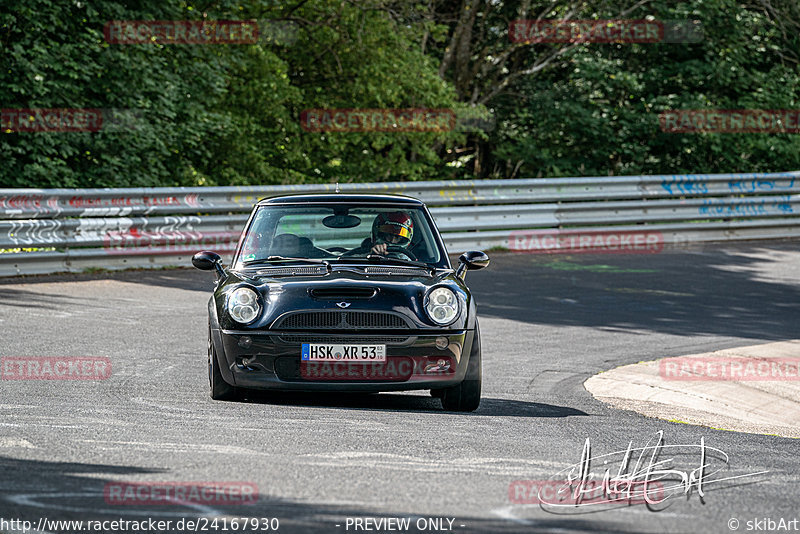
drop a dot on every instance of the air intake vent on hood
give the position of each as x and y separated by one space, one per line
293 270
343 293
402 271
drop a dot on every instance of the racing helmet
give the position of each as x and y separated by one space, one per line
393 228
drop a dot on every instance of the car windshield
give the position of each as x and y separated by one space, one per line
340 232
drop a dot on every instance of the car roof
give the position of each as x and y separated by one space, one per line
340 198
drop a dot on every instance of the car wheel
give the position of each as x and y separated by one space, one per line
466 397
218 388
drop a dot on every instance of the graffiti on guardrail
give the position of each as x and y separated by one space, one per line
586 241
758 185
93 202
18 204
739 207
121 235
30 233
52 230
103 206
33 205
685 185
700 184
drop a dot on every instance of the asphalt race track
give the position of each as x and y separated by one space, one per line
548 323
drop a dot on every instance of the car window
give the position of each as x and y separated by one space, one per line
331 232
311 226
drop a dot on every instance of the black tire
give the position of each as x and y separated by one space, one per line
466 397
218 388
437 393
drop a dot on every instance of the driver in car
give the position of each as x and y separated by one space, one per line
389 230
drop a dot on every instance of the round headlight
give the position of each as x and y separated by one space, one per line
243 305
442 305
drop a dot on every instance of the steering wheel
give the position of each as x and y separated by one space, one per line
337 249
401 250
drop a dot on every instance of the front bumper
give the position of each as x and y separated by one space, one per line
271 360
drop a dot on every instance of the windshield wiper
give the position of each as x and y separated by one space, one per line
398 261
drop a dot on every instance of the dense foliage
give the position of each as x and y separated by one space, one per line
226 114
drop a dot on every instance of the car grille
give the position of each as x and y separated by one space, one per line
346 340
289 369
341 320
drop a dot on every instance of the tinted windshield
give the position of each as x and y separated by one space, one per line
341 232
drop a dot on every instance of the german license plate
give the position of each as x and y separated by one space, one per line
313 352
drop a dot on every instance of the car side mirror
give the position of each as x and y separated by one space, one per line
471 260
208 261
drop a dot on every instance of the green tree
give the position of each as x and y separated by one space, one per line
216 114
54 56
592 109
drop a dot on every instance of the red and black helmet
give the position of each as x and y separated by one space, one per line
393 228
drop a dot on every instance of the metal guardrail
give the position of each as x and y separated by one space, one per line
76 229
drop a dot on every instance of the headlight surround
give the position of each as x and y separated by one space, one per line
243 305
442 305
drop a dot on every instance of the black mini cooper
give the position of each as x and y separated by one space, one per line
338 292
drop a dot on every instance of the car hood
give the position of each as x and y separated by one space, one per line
344 289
